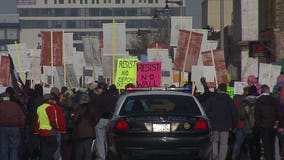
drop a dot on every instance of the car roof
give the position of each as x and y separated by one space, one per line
140 93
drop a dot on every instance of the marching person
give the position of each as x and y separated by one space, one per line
223 115
12 120
85 118
266 117
50 122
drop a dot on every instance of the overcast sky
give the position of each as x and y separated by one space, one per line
8 6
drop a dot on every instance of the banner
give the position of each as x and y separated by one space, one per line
114 40
177 23
68 48
149 74
188 50
57 43
4 70
126 72
208 72
92 52
268 74
161 55
20 54
216 58
239 87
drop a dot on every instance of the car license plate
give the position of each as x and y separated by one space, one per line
161 127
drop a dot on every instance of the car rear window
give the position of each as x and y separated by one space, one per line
160 103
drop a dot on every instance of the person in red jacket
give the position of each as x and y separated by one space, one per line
12 120
50 122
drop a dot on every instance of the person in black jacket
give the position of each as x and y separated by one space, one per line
266 119
223 116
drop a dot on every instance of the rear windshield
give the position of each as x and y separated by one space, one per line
160 103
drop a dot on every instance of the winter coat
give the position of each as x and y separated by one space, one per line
221 112
246 113
85 120
266 111
11 114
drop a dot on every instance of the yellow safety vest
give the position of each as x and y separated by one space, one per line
43 120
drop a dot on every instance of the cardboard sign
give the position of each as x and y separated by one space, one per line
149 74
126 72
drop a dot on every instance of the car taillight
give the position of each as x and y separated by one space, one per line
201 125
121 125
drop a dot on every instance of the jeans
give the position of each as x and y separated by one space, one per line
57 154
10 141
220 144
239 140
101 139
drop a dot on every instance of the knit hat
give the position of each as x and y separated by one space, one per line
55 91
47 97
84 99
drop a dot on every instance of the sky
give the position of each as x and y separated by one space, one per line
8 7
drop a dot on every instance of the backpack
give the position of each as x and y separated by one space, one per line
246 114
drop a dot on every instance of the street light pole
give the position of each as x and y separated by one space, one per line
222 23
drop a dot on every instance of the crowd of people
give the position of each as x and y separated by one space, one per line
61 125
71 125
248 126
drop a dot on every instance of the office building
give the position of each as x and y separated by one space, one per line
86 17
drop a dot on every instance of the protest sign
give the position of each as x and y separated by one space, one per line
268 74
239 87
126 72
149 74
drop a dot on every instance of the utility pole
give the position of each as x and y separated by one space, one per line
222 23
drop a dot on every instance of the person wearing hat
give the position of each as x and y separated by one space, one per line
50 122
85 118
12 120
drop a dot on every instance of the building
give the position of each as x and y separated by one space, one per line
211 13
245 26
9 30
86 17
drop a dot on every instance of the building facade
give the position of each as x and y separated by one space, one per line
211 12
9 30
86 17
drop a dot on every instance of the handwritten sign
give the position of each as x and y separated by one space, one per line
149 74
126 72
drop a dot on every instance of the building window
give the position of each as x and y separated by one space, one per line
109 1
61 1
81 1
123 1
157 1
55 1
86 1
69 1
93 1
98 1
150 1
117 1
74 1
133 1
45 1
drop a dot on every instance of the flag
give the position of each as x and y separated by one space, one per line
15 78
57 48
4 71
